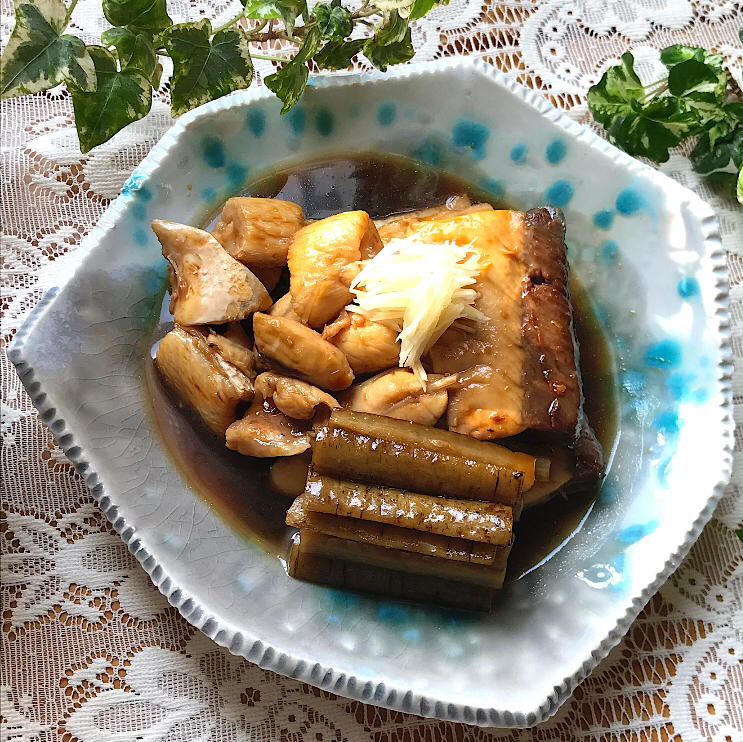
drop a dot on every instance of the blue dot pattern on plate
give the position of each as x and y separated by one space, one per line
429 152
140 237
472 135
667 422
324 122
688 287
603 219
518 154
632 534
665 354
386 113
556 151
559 193
209 195
236 174
139 211
630 201
297 119
256 122
495 187
610 251
212 150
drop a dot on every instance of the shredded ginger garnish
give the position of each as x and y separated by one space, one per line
419 289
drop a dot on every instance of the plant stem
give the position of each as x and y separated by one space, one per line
229 23
269 58
69 12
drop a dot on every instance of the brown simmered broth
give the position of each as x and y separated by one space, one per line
237 485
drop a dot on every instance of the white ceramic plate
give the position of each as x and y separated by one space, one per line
648 253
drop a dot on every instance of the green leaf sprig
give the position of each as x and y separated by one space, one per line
111 84
698 98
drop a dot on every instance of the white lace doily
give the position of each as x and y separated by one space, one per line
92 652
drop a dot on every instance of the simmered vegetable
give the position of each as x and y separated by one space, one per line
305 564
396 537
488 522
288 475
372 448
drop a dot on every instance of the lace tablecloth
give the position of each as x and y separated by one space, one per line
90 649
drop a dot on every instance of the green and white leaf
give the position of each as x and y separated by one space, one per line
262 9
148 16
287 10
614 94
338 55
421 7
120 98
290 81
205 69
739 195
334 21
396 52
38 56
135 52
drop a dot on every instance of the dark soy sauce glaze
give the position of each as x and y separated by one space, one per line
236 486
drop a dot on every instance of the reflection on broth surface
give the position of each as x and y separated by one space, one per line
237 486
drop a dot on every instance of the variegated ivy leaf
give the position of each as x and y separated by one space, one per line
287 10
38 56
121 96
135 52
205 69
149 16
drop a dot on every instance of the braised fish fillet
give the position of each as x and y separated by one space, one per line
519 370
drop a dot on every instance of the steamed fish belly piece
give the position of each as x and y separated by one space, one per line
266 431
257 231
301 352
399 224
206 381
395 537
485 522
490 404
369 346
321 258
208 286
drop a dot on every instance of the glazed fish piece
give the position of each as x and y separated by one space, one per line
206 381
208 286
321 264
523 361
372 448
399 393
257 231
283 308
486 522
369 346
396 537
293 397
299 351
266 431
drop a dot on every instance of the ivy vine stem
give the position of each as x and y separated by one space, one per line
229 23
68 15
